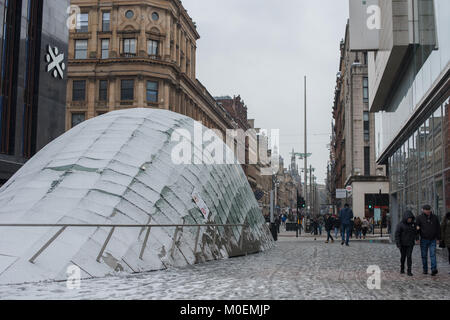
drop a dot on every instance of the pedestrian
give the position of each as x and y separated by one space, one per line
365 227
445 234
329 225
357 228
277 223
345 215
315 227
337 225
405 237
320 224
429 229
283 220
352 225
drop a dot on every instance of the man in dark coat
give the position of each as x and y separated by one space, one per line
345 215
429 229
405 238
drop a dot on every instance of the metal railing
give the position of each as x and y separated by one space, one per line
114 226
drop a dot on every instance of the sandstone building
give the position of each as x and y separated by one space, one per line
353 140
128 54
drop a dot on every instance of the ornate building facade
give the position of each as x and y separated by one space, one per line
128 54
353 161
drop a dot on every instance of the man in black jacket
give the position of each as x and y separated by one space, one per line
429 229
405 237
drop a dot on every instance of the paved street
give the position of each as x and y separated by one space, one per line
295 269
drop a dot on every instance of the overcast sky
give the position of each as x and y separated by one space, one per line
262 50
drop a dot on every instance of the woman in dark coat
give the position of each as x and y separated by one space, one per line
445 234
405 237
329 225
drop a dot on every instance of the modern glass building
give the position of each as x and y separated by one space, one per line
409 86
33 54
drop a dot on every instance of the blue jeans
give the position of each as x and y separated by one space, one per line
424 246
336 231
345 232
320 230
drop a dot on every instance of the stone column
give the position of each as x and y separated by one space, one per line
167 53
93 27
112 93
114 43
90 97
141 92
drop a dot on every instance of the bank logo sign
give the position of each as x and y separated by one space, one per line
55 60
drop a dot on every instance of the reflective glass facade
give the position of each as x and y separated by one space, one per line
33 38
413 134
420 168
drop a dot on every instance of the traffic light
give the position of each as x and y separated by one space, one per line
301 202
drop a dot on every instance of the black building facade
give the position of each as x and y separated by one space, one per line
33 59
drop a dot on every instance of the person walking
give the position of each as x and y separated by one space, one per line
345 215
283 220
320 224
357 228
429 229
277 223
337 225
365 227
329 224
405 236
315 227
352 225
445 234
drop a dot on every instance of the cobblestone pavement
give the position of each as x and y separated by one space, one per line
295 269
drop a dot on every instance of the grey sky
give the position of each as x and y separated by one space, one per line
261 50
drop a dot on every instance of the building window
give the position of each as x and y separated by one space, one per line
81 49
83 22
79 90
152 47
366 89
367 161
366 126
77 118
152 91
105 48
127 90
365 58
103 90
155 16
129 46
106 21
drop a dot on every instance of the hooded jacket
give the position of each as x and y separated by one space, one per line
329 223
406 233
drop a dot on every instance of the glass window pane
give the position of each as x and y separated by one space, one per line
105 48
81 49
79 90
437 141
77 118
429 147
83 22
106 21
152 91
127 90
103 90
